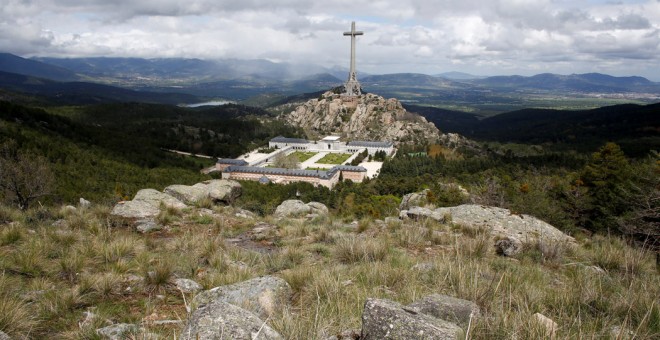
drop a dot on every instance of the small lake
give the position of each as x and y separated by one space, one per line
209 103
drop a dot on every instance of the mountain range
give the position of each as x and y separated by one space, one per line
186 80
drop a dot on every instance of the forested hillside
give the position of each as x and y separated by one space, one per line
108 152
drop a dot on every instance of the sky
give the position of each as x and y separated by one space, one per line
482 37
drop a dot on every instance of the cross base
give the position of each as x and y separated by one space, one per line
352 88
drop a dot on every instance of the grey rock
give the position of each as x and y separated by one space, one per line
417 212
373 118
508 246
135 210
83 203
222 190
385 319
155 198
263 296
317 208
188 194
118 331
500 222
4 336
147 225
242 213
447 308
415 199
187 285
222 320
296 208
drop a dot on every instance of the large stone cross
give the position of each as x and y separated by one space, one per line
352 85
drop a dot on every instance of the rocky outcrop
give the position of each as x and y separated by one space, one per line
385 319
222 320
225 191
187 285
189 194
145 205
500 222
447 308
508 246
135 210
415 199
156 198
367 117
218 190
262 296
295 208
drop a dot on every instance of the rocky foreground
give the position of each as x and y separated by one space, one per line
242 310
188 263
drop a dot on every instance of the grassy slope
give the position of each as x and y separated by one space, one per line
52 275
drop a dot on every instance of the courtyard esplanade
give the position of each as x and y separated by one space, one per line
332 143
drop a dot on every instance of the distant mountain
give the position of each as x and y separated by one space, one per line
405 79
589 82
458 76
85 93
185 69
15 64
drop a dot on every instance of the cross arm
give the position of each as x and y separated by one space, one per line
354 33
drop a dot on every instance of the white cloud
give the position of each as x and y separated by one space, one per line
494 36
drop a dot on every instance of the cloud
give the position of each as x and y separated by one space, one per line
402 35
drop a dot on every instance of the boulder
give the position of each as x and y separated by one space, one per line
500 222
385 319
155 198
263 295
83 203
145 205
135 210
447 308
222 190
147 225
188 285
417 212
549 325
317 208
508 246
295 208
188 194
118 331
222 320
415 199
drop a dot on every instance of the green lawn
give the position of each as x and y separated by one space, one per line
334 158
303 156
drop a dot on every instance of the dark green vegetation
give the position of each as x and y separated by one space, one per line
634 127
107 152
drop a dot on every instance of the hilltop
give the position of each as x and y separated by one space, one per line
365 117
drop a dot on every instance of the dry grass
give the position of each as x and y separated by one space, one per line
52 275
